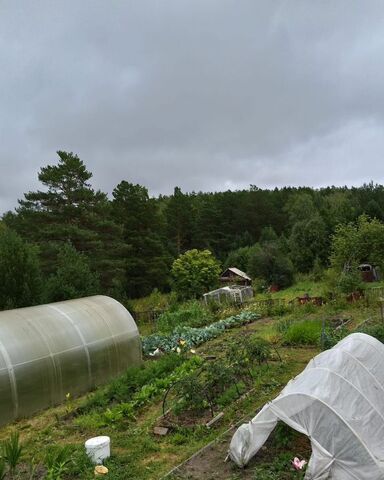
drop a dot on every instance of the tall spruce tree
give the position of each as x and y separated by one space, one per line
146 261
179 214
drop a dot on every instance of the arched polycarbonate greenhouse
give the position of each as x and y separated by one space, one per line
49 351
338 402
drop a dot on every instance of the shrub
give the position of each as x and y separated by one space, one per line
258 349
193 396
194 273
307 332
350 281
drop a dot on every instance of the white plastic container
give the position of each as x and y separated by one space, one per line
98 449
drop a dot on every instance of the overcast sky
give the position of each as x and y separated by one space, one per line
203 94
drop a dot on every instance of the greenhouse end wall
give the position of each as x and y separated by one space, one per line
50 351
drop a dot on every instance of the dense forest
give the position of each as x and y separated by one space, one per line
69 240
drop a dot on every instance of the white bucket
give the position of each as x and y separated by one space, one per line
98 449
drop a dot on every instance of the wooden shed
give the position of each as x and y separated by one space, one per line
233 275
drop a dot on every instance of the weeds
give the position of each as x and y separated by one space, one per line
191 314
2 469
307 332
57 462
283 435
12 450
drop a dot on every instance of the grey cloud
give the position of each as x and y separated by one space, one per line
203 94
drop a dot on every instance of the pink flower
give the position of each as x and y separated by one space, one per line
298 464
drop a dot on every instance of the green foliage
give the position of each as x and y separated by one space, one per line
239 258
192 394
137 381
300 207
359 242
268 235
179 216
73 277
70 210
350 281
194 336
2 469
20 281
307 332
339 208
155 301
146 261
317 273
376 331
194 273
280 468
283 435
12 451
330 336
258 348
308 242
57 462
192 314
270 264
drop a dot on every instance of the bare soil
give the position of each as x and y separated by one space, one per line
210 464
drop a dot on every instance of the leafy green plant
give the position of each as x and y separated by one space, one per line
376 331
218 377
57 461
12 450
192 395
258 349
195 336
123 388
307 332
330 336
283 435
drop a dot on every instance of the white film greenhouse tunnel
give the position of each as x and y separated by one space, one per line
338 402
49 351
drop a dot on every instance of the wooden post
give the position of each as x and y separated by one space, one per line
382 309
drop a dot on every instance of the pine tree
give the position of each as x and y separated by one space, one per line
69 210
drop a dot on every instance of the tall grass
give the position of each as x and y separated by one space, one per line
191 314
306 332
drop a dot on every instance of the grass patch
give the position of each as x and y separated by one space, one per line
307 332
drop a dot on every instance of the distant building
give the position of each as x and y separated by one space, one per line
369 272
234 275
